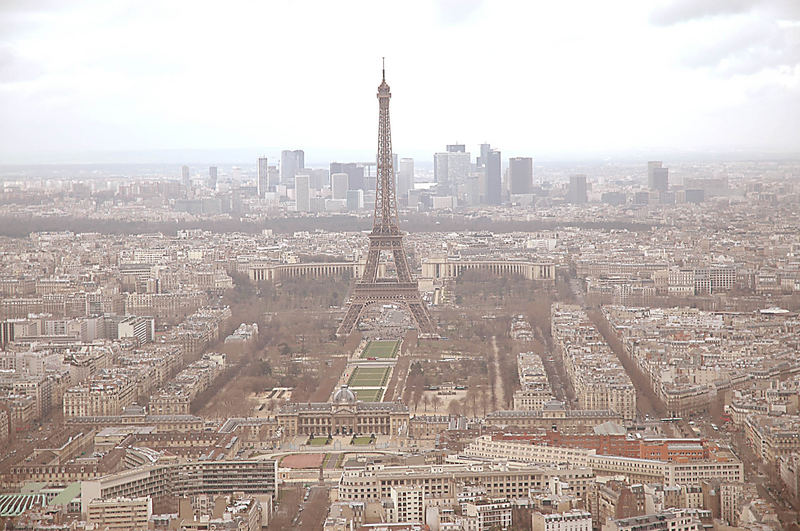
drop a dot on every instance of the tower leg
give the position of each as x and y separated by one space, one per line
350 320
422 316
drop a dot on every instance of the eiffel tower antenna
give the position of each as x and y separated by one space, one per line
386 236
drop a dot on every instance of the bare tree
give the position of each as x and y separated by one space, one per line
454 408
436 401
484 400
417 397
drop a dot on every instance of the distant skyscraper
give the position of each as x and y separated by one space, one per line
354 171
657 176
484 154
302 192
263 177
355 199
274 178
520 175
212 177
451 168
185 177
493 178
577 189
291 163
405 178
440 168
339 185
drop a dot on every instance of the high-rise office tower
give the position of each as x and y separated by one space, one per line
451 168
490 182
520 175
300 158
355 199
354 171
657 176
577 189
274 177
405 178
493 178
302 192
263 177
291 163
185 177
440 168
212 177
481 162
370 170
339 185
471 191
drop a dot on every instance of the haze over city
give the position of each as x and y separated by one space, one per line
573 79
411 266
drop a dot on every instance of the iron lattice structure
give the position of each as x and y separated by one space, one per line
386 236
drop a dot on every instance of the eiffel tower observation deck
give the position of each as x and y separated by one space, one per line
386 236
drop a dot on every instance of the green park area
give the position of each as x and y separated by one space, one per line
369 394
381 349
362 440
369 377
318 441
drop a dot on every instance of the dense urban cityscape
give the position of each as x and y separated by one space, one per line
478 339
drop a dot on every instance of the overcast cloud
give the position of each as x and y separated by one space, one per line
534 78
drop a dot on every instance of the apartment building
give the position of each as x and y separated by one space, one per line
120 513
599 380
372 481
575 520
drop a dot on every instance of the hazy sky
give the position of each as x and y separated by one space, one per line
533 78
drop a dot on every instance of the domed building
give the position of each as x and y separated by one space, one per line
344 415
344 396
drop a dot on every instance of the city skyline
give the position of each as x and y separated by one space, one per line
700 77
558 291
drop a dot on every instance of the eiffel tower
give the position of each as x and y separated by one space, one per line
386 236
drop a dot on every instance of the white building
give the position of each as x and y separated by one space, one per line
339 185
575 520
408 504
487 514
263 177
302 192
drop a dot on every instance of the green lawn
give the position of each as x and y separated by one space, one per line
369 394
369 377
362 440
381 349
318 441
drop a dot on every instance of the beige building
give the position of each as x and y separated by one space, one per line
344 415
531 399
487 514
693 472
598 378
575 520
447 268
120 513
102 395
553 414
408 504
373 482
667 520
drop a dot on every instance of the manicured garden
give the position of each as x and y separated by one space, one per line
373 394
369 377
381 349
